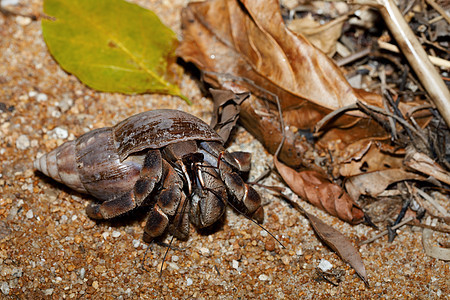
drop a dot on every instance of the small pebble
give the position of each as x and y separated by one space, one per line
4 288
325 265
286 259
48 292
173 265
263 277
189 282
270 244
22 142
95 284
32 94
105 235
29 214
58 133
82 273
23 21
41 97
65 103
175 258
204 251
17 273
235 264
115 234
136 244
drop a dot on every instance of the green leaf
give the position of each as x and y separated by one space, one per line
111 45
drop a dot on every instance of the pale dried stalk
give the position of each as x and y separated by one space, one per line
439 10
437 61
413 51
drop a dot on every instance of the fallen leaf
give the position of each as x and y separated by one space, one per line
313 187
330 236
237 49
234 37
227 106
112 45
433 251
340 244
374 183
323 36
424 164
366 156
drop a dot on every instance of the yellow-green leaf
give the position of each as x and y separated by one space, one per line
111 45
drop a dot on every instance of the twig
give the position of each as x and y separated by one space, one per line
439 10
437 61
333 114
400 120
386 93
414 53
354 56
386 232
432 201
437 227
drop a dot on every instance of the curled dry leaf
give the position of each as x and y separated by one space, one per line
319 191
237 49
367 156
434 251
424 164
323 36
374 183
227 106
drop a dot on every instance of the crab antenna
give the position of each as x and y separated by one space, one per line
259 225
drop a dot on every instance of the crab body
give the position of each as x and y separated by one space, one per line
166 159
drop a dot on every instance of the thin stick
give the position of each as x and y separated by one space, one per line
414 53
430 199
400 120
354 56
437 61
333 114
439 10
407 220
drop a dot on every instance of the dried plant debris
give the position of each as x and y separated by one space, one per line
227 106
365 140
310 185
333 238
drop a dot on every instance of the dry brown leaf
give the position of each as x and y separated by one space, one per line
221 36
319 191
227 106
323 36
431 250
374 183
333 238
366 156
340 244
424 164
237 49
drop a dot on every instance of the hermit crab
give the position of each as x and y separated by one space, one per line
168 160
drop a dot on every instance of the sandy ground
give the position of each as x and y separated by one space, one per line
49 248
